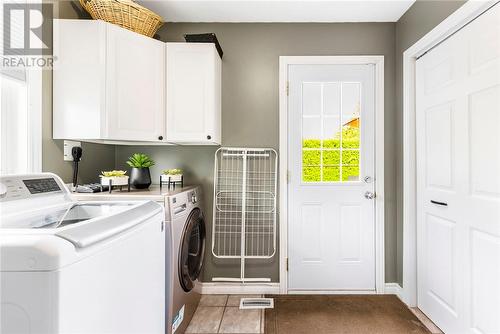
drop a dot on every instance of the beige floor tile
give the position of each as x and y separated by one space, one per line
262 320
234 300
213 300
240 321
206 319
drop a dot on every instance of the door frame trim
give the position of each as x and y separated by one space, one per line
378 61
453 23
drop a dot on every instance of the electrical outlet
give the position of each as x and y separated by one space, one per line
68 146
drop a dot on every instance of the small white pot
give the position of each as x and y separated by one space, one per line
173 178
116 180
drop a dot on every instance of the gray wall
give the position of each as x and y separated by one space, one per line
421 18
95 157
250 105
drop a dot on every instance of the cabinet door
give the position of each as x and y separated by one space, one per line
193 93
134 84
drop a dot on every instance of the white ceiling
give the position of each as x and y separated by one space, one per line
279 10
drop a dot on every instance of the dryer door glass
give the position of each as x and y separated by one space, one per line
192 250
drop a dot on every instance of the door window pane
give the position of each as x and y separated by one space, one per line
311 158
351 137
350 165
311 99
351 93
350 173
331 158
331 131
331 174
350 157
311 128
331 128
311 143
311 174
331 99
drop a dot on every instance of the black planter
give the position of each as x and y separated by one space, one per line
140 178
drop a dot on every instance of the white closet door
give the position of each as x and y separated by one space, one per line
458 179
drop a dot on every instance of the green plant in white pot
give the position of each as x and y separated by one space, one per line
140 176
175 175
114 177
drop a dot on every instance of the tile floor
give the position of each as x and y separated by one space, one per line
221 314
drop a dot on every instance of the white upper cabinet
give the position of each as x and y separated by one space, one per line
108 83
136 99
113 85
193 99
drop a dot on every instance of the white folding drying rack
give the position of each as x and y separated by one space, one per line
244 213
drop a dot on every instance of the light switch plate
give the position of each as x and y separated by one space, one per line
68 146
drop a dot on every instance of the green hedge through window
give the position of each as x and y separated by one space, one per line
324 156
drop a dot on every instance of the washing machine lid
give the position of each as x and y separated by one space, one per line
83 224
127 216
56 217
42 228
41 203
47 249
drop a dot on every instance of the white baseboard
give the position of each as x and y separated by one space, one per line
223 288
219 288
332 292
394 289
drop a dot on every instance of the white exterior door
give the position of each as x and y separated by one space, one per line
458 179
134 86
331 162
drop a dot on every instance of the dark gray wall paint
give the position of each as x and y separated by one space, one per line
250 105
197 164
95 157
421 18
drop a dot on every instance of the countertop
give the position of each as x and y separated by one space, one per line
153 194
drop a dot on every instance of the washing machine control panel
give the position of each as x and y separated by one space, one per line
23 187
182 203
39 186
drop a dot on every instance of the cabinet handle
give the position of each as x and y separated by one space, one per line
160 138
209 137
439 203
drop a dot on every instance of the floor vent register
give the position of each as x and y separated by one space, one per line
256 303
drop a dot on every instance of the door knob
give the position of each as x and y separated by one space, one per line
368 179
369 195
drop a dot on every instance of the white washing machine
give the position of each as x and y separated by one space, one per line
78 267
183 212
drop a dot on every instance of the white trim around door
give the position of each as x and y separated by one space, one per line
462 16
284 63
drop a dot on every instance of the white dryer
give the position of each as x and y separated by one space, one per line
78 267
185 217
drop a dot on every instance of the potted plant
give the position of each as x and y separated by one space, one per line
114 178
175 175
140 177
171 177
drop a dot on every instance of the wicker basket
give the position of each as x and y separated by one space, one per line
125 13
